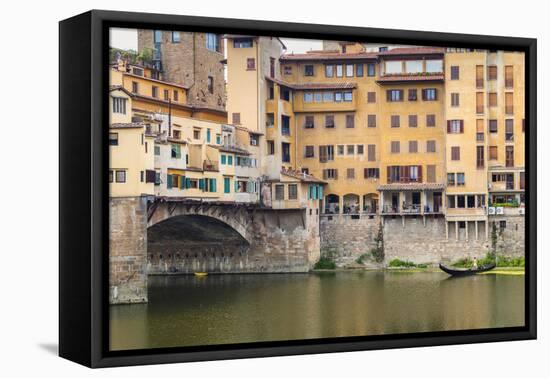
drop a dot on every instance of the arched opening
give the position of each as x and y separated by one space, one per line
194 243
332 204
351 204
370 203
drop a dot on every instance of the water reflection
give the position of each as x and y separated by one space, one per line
186 310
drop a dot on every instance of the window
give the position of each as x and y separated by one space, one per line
175 151
413 66
350 121
237 118
285 125
348 96
240 43
430 146
430 173
176 134
254 140
208 135
308 70
522 180
412 94
157 36
269 119
176 37
509 76
326 153
491 73
340 149
210 84
154 91
350 173
213 42
349 70
339 70
395 121
395 147
455 153
286 152
480 132
309 152
309 122
120 176
371 120
318 97
451 181
270 147
329 121
285 94
455 72
413 146
493 126
287 70
270 91
371 69
359 70
330 174
480 106
119 105
460 180
351 149
176 95
492 99
509 156
493 152
360 149
250 64
292 191
113 139
480 157
434 65
272 67
157 150
394 95
479 77
371 152
135 87
455 126
196 133
328 97
166 95
329 70
279 192
509 124
371 97
429 94
394 67
509 103
370 173
455 99
430 120
308 97
413 120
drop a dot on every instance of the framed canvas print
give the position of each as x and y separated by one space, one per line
234 188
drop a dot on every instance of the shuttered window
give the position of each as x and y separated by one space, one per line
455 153
509 76
350 121
479 77
509 103
329 121
492 99
371 120
509 125
480 132
371 97
455 99
493 152
455 126
491 72
350 173
413 120
509 156
430 173
430 120
480 157
429 94
237 118
371 152
395 147
430 146
395 121
413 146
455 72
480 104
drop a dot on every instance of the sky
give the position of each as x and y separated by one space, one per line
127 39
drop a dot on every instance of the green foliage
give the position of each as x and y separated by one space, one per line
511 262
513 203
422 266
397 263
378 252
145 57
325 262
361 259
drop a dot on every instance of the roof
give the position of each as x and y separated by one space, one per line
412 51
231 36
411 186
329 55
156 80
304 177
414 77
312 86
131 125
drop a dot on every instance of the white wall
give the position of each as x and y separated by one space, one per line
29 234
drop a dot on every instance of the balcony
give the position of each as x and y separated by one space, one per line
425 77
210 166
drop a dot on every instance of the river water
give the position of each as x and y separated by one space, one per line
219 309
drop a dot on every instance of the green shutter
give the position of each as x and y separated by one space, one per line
207 135
178 151
223 159
169 181
182 182
226 185
236 185
320 192
201 184
187 182
229 159
213 185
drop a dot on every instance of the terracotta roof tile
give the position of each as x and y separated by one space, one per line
301 176
131 125
328 55
413 51
401 78
303 86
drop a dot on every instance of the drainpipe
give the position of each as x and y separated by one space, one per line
169 117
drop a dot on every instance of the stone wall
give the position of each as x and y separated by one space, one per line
422 241
127 250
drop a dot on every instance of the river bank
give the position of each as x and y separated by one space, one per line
497 270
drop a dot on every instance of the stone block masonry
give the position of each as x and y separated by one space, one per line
127 250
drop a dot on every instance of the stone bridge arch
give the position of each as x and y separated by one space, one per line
235 216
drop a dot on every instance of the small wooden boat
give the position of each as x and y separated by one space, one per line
201 274
458 272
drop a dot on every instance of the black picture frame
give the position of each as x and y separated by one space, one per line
83 161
